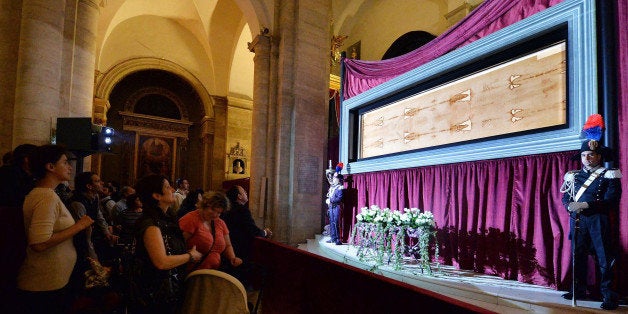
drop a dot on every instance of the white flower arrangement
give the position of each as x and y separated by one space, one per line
368 214
425 220
375 228
410 217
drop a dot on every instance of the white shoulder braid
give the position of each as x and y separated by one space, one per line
613 174
570 176
568 185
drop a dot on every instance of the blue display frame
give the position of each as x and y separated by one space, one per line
579 16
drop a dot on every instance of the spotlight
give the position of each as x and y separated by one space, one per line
104 138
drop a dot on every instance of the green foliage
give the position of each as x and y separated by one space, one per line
380 235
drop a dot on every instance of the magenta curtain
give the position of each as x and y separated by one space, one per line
622 102
490 16
501 217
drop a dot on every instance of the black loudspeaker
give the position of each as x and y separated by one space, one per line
75 133
80 135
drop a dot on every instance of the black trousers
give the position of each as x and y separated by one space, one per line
40 302
593 236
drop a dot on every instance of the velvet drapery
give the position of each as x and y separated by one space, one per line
490 16
622 103
501 217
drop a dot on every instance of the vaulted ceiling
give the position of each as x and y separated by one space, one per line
208 38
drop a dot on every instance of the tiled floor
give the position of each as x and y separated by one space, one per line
489 292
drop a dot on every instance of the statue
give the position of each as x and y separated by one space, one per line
334 200
336 43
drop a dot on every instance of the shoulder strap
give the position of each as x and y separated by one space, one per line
586 184
213 231
162 226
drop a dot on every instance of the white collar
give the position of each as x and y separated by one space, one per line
593 169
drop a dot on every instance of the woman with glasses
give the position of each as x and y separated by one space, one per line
204 229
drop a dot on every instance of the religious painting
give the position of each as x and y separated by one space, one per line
155 156
524 94
353 51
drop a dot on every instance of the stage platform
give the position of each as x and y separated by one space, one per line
489 292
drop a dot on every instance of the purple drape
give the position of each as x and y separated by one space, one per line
490 16
622 103
501 217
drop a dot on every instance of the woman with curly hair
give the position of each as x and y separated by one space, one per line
204 229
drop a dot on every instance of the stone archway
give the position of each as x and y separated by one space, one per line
139 95
106 81
152 106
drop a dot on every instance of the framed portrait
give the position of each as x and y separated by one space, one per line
353 51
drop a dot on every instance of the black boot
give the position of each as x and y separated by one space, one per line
608 304
579 296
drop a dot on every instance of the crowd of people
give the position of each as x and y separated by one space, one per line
135 242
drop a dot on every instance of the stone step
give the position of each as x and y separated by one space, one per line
490 292
302 246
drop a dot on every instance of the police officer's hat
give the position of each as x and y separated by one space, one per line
592 131
594 146
337 174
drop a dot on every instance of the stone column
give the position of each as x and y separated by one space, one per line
99 116
301 118
9 46
262 144
207 136
38 82
83 59
79 58
308 135
219 150
99 110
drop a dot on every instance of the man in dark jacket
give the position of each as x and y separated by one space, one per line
242 228
96 241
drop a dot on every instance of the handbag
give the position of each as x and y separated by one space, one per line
97 276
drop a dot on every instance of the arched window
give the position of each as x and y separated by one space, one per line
157 105
408 42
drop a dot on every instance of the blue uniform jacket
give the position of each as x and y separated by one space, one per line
602 195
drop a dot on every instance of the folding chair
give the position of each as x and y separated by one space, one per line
212 291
